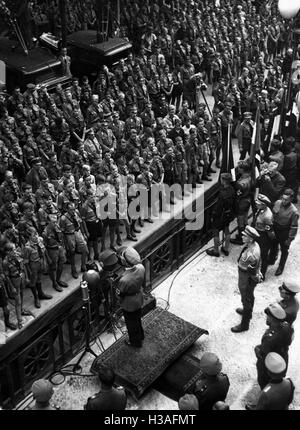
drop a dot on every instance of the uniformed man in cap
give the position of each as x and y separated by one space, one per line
244 135
263 223
222 215
243 188
249 276
109 397
289 302
34 174
277 338
33 254
286 218
213 385
42 391
55 253
94 112
129 291
278 394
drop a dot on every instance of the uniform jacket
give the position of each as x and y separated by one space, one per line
211 389
130 287
276 396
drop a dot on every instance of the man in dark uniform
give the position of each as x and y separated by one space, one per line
249 276
222 215
109 398
286 218
55 253
244 135
168 161
243 199
263 223
277 338
289 302
279 392
271 183
213 385
130 294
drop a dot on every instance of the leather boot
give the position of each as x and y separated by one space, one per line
8 324
41 294
237 240
281 265
135 229
244 325
37 302
58 276
54 283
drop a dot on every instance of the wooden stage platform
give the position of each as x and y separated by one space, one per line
167 337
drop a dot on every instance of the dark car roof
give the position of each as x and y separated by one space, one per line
88 39
37 59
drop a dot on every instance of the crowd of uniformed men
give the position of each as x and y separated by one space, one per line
147 120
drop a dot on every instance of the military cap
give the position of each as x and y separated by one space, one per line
36 160
263 199
291 286
188 402
226 177
247 114
274 310
31 86
275 363
210 364
108 259
131 256
251 232
42 390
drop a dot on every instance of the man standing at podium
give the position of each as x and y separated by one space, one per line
130 294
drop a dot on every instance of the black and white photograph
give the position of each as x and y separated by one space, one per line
149 208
